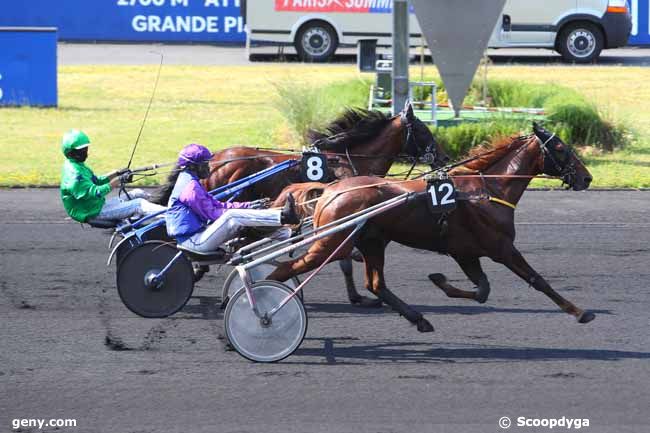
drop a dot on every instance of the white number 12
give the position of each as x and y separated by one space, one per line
446 199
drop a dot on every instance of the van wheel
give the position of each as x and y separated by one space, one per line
316 41
580 42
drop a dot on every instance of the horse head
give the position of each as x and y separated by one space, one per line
561 160
420 142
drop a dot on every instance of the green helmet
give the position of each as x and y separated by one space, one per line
74 139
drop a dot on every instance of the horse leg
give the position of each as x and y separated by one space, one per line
354 296
292 268
472 268
314 257
519 266
374 261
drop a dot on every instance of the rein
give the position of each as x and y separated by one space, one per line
374 185
452 166
296 152
509 176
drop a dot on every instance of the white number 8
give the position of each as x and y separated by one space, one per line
315 169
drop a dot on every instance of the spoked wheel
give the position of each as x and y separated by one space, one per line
268 339
233 282
146 297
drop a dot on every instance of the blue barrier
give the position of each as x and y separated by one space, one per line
640 22
28 66
131 20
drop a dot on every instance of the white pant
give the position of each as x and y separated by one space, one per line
119 208
228 225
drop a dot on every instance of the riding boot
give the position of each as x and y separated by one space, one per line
289 214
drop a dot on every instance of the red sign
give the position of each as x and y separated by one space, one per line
325 5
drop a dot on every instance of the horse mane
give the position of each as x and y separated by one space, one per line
489 153
161 196
353 126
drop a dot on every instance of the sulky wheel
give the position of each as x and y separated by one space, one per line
148 298
156 234
233 282
268 339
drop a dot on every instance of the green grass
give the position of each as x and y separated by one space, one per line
306 106
225 106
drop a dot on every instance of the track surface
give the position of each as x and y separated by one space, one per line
357 371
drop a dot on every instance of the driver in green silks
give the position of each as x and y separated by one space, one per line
84 194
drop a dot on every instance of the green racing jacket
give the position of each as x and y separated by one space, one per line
83 194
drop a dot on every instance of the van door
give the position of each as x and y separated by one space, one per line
528 23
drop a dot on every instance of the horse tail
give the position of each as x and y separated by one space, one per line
161 196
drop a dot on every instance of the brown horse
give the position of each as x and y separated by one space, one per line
482 225
365 143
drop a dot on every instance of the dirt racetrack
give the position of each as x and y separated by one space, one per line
70 349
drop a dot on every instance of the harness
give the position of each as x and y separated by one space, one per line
503 202
556 170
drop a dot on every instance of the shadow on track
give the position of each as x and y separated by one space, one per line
208 308
426 353
336 308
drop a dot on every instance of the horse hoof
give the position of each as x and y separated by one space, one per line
364 302
586 317
437 279
424 325
481 298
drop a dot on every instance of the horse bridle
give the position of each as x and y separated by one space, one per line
410 147
553 167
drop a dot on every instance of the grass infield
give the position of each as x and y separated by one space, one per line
226 106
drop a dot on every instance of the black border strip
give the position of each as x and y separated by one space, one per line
272 32
380 35
533 28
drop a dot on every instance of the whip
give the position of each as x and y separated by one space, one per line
146 114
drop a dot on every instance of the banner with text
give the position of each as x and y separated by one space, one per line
131 20
195 20
351 6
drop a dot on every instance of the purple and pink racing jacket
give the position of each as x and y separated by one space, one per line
191 208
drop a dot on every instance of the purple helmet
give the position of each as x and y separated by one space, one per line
193 154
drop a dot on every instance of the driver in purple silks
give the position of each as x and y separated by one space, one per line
202 223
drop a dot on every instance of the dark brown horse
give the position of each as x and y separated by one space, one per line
482 225
364 142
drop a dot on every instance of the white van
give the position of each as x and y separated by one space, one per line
577 29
